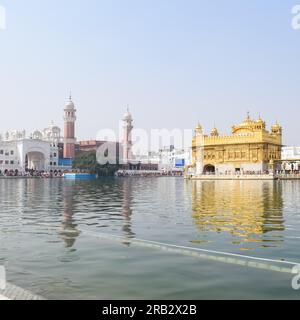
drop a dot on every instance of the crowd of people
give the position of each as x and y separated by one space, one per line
248 172
31 173
149 173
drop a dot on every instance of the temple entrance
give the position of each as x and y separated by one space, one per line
35 161
209 169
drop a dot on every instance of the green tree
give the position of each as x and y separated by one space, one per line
88 161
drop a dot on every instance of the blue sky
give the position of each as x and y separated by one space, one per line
174 62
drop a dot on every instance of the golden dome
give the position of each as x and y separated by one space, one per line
199 127
248 121
276 127
260 123
214 132
247 125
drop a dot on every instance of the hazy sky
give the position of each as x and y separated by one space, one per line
173 61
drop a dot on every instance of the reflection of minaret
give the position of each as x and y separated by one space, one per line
69 129
126 209
69 231
127 139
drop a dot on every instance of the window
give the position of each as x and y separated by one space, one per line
12 152
6 162
12 162
54 155
1 161
54 163
6 153
50 163
1 152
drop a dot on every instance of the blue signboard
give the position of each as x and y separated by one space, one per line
65 162
179 163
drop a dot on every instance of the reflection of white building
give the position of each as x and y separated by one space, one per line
38 151
290 158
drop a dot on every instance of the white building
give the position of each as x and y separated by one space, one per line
169 159
38 151
290 158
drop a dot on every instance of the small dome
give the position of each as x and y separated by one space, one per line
247 122
70 105
199 127
52 127
260 123
37 135
276 127
214 132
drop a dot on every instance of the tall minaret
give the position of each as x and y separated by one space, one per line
199 152
127 139
69 129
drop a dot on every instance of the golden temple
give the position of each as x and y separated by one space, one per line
250 148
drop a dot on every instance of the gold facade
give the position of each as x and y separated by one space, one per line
249 147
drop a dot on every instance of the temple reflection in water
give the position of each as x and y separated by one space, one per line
250 211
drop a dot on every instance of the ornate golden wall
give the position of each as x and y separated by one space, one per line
249 143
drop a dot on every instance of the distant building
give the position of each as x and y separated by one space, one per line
38 151
167 159
290 153
290 159
44 150
171 159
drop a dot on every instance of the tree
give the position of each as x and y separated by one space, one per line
88 161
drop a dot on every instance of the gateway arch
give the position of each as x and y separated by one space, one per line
35 154
35 160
